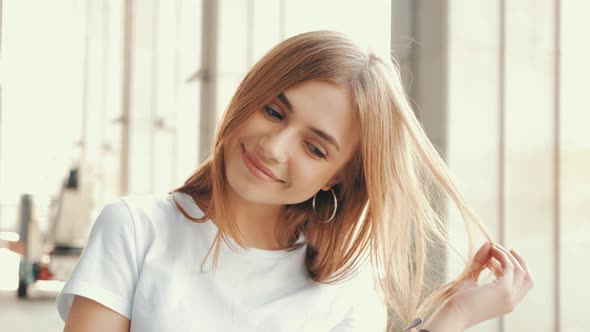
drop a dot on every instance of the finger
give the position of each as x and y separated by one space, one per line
480 260
495 267
528 281
524 265
518 270
505 262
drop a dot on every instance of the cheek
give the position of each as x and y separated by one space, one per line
255 123
254 127
308 178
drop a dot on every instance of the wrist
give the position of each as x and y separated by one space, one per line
447 318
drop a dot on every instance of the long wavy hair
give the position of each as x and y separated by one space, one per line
388 200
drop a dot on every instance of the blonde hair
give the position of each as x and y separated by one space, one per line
387 207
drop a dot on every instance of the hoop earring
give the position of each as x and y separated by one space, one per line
335 206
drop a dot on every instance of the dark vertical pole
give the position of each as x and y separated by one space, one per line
420 40
208 96
25 270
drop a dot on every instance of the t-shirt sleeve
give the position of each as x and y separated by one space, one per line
107 271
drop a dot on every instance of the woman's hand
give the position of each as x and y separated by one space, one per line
479 302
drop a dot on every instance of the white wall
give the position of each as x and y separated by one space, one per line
515 138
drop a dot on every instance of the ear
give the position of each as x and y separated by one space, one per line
334 181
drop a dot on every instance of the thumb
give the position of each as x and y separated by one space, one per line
480 261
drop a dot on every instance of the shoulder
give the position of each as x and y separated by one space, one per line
134 207
157 217
147 209
157 205
148 203
114 216
136 216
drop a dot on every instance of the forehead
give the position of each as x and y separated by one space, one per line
328 107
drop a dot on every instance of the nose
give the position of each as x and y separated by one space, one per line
275 146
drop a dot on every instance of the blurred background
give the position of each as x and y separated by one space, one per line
100 99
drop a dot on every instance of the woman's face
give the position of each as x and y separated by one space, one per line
294 146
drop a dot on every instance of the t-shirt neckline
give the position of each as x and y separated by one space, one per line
187 202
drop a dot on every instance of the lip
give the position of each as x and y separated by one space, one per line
256 168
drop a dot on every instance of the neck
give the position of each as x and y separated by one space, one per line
257 222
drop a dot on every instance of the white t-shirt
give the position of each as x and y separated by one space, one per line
143 260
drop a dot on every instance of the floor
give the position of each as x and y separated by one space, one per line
36 313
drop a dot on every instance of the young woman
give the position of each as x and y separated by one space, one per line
312 213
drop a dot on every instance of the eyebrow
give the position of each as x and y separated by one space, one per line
329 138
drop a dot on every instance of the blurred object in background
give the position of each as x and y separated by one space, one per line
11 241
50 254
71 224
72 217
33 262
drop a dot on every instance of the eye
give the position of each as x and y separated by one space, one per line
315 151
272 113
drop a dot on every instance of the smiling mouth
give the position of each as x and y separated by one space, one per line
252 165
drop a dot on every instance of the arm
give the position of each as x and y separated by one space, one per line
89 316
108 269
444 319
14 246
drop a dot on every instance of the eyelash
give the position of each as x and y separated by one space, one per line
269 111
